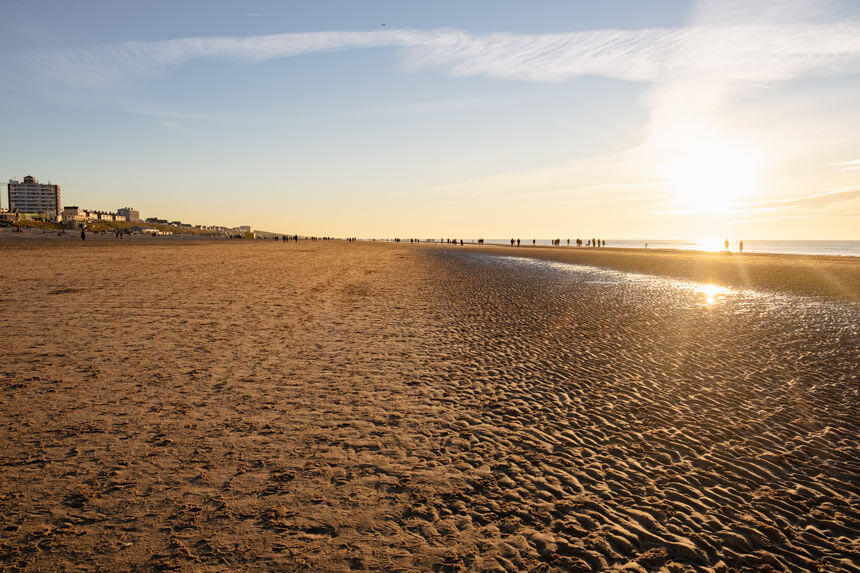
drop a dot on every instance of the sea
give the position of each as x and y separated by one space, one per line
838 248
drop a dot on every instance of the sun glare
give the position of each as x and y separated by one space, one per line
712 175
712 294
710 244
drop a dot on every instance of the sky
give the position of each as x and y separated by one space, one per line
622 119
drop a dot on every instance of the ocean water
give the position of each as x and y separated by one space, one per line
839 248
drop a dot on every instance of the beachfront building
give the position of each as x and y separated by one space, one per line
131 215
104 216
74 215
30 196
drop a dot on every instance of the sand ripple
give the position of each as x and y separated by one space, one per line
372 407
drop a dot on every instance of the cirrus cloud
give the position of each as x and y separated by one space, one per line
755 52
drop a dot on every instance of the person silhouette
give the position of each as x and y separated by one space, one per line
727 244
741 247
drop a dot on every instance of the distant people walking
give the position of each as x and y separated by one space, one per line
518 242
727 245
512 242
83 234
741 247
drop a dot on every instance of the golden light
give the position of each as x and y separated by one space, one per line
710 244
712 294
710 175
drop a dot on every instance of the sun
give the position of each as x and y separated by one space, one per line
711 175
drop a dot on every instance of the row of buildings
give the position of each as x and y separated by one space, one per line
78 215
30 199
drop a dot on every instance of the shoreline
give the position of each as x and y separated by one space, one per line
843 247
827 276
831 277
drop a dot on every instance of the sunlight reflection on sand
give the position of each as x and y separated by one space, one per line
712 294
694 294
658 291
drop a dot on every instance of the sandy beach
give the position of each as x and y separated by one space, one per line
325 406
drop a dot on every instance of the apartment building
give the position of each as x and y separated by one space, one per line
30 196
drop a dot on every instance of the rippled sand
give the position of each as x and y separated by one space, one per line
376 407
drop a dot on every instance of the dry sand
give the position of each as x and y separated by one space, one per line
334 407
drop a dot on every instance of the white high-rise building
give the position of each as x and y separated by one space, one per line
30 196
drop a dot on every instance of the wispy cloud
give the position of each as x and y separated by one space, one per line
584 179
175 116
800 206
817 201
171 125
746 52
113 61
636 185
424 107
853 165
436 106
624 54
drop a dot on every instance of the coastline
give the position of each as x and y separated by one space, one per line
826 276
830 277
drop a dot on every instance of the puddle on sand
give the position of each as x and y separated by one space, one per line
663 294
708 295
657 291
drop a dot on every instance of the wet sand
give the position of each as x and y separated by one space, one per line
335 407
825 276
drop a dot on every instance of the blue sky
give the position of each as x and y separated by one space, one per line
624 119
